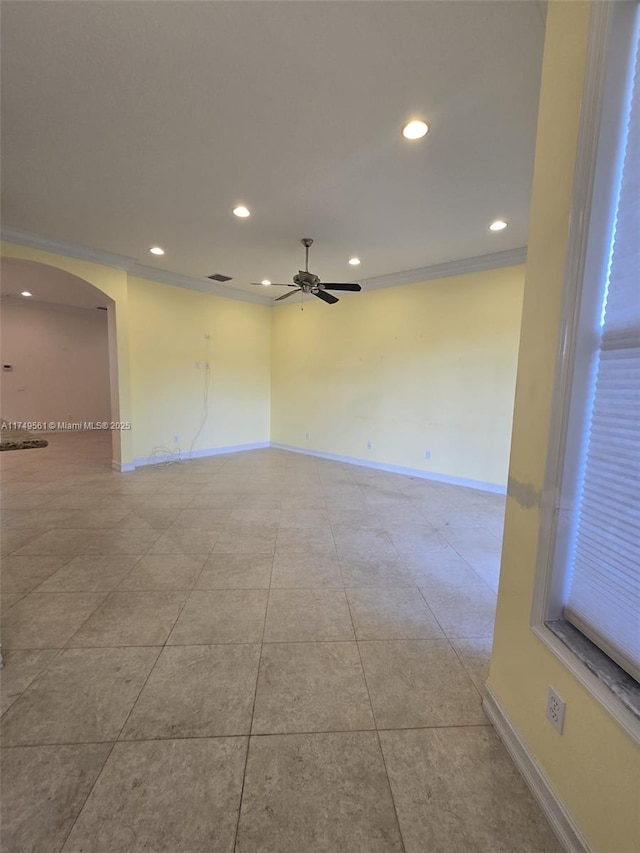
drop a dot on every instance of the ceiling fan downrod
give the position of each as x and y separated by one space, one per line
306 242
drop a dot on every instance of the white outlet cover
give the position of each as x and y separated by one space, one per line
555 709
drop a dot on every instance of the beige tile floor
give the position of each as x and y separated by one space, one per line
260 653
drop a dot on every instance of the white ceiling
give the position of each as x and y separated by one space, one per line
133 124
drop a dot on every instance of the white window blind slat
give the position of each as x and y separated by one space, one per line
604 591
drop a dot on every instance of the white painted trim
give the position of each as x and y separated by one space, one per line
590 681
122 466
496 260
203 285
564 827
396 469
132 267
334 457
199 454
583 180
546 596
71 250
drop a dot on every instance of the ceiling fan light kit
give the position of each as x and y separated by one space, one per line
308 282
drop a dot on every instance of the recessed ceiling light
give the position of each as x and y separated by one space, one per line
266 282
26 293
242 212
415 130
156 250
354 261
498 225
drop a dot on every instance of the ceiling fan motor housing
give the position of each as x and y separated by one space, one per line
307 281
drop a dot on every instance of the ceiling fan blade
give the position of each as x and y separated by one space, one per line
326 297
273 284
285 295
354 287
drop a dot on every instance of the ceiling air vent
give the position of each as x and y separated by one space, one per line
218 277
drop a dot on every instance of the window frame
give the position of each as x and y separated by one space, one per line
588 243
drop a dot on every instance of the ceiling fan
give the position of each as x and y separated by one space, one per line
307 282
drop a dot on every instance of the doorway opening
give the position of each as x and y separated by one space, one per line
59 364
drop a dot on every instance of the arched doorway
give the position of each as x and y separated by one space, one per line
79 312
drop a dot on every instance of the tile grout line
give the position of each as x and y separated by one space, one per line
253 709
84 802
35 678
135 701
153 666
39 744
449 641
437 621
375 723
84 622
228 468
464 666
462 557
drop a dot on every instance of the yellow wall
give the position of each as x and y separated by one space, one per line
159 333
594 766
167 328
427 366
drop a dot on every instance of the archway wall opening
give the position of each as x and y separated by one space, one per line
113 284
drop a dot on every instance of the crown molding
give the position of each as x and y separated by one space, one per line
190 283
509 258
122 262
71 250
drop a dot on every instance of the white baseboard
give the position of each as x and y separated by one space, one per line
562 824
334 457
397 469
199 454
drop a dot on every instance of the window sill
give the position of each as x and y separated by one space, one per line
617 692
617 680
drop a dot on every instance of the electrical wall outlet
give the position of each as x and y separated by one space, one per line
427 454
369 446
555 709
176 439
308 436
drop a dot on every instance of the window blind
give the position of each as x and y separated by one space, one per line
604 592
